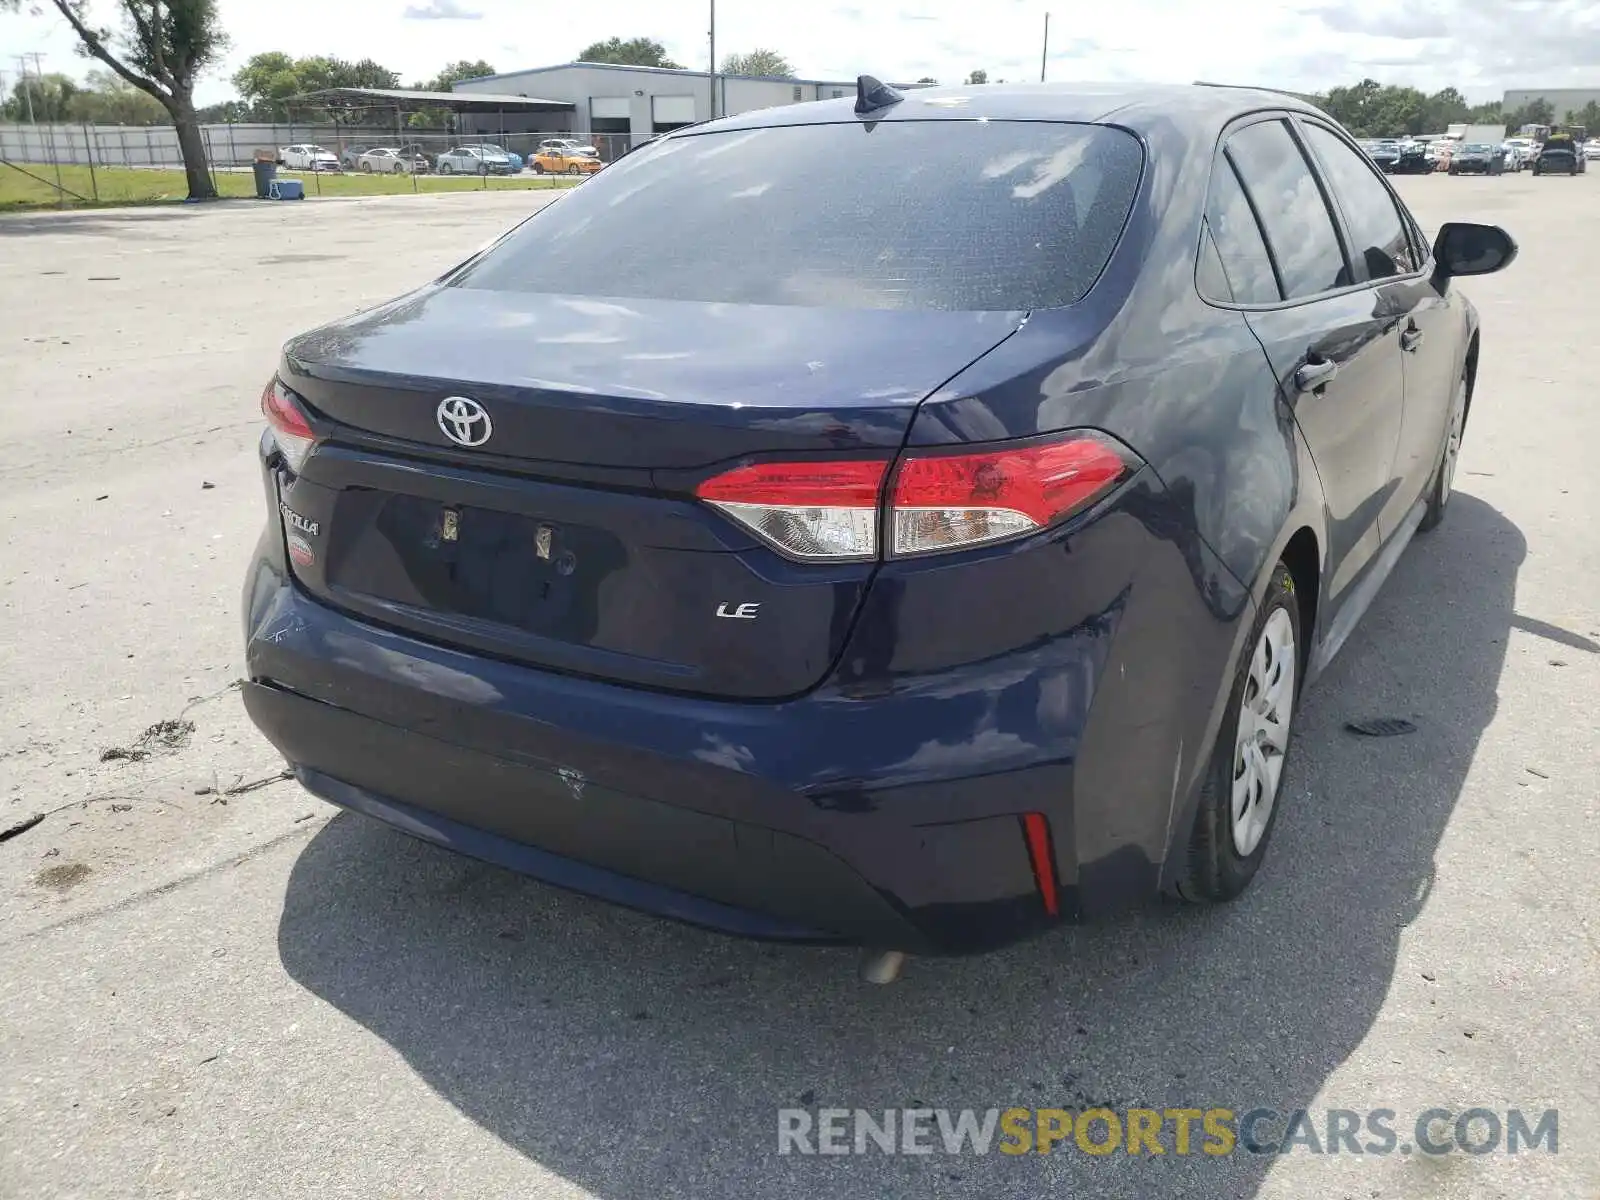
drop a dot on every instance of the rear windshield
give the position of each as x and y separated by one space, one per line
967 215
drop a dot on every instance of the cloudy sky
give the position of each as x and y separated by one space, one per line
1480 46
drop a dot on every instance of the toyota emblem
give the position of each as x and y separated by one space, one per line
464 421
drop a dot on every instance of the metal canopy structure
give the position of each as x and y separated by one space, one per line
401 101
460 102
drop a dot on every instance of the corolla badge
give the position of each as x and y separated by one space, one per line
464 422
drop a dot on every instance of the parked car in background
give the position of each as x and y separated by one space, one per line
1478 158
678 603
421 160
1521 153
390 161
472 160
350 157
569 146
308 158
1412 159
1591 149
557 161
1385 152
515 158
1559 156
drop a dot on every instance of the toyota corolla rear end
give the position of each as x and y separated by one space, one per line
626 555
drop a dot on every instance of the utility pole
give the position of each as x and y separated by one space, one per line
27 88
713 59
1044 55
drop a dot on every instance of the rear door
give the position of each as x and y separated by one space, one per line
1333 343
1389 255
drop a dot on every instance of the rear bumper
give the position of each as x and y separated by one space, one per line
885 808
820 819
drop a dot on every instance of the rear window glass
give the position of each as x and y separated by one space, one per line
965 215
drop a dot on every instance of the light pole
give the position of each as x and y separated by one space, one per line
1044 55
713 59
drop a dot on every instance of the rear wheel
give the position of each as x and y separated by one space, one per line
399 168
1239 798
1444 478
446 169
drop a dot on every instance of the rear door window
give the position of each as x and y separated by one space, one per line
1378 238
1298 225
944 214
1251 277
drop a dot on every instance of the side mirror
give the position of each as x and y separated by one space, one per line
1465 248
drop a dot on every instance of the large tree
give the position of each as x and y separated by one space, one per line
269 81
633 52
768 63
978 76
42 98
161 48
455 73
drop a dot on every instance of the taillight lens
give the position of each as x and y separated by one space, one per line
291 432
816 510
830 510
947 502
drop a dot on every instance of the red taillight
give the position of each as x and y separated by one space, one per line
290 430
806 509
829 510
949 501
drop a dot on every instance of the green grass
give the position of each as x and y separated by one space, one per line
110 187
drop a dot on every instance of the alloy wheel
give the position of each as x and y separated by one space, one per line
1265 712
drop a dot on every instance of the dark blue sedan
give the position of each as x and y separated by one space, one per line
908 521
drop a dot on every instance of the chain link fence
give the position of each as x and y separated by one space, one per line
65 165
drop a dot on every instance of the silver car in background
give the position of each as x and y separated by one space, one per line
472 160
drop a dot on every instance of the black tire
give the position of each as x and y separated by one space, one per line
1443 485
367 167
446 169
1214 871
538 168
399 168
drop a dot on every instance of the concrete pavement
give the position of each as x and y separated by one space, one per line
204 994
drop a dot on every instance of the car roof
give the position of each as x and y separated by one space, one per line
1199 110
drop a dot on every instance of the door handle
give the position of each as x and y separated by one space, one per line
1410 339
1311 376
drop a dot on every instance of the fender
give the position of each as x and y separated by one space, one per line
1307 510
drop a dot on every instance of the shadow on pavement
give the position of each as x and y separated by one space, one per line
643 1060
110 220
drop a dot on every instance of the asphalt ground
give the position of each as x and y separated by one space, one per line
211 985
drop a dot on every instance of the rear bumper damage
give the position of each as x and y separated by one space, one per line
955 785
719 814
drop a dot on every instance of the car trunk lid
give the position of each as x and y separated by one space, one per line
569 538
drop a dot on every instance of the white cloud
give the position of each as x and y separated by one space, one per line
1481 46
441 10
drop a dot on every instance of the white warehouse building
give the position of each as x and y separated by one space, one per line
624 105
1563 100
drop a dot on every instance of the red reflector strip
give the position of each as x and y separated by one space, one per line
1036 831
